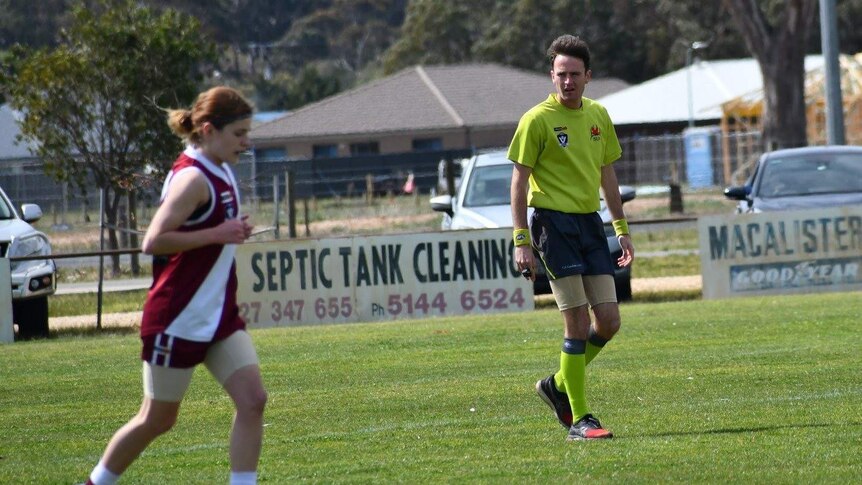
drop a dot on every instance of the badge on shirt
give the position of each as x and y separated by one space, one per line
595 133
229 204
563 138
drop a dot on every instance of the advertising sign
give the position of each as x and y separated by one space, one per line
378 278
781 252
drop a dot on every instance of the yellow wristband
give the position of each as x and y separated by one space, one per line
621 227
521 237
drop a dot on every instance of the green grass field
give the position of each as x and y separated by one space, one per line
763 390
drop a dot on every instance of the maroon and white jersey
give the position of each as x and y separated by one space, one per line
193 295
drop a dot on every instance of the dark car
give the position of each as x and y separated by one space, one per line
483 201
802 178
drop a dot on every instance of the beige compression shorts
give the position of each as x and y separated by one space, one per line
222 360
578 290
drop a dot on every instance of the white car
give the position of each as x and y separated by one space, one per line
483 201
32 280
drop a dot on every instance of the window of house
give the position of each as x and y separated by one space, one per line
365 148
324 151
427 144
270 154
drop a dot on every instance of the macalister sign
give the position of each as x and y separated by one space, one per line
370 278
781 252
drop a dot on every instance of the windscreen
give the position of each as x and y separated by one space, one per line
489 185
837 173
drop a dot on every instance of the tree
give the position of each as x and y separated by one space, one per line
777 38
519 36
354 32
283 91
22 23
91 105
436 33
634 41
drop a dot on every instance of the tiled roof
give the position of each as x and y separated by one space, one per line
425 98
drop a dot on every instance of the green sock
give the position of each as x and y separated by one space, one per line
573 370
559 381
595 344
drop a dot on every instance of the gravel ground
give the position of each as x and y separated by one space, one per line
128 319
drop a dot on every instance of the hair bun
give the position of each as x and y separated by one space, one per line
186 120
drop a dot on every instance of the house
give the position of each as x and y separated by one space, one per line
10 148
422 108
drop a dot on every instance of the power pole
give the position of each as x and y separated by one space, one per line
834 104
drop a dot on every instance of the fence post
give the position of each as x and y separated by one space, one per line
369 189
450 177
275 205
63 220
101 258
305 207
7 334
254 180
290 201
675 191
725 150
675 176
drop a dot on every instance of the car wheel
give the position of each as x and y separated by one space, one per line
624 288
31 317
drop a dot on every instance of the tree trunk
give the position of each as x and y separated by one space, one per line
784 99
235 51
133 232
778 42
112 202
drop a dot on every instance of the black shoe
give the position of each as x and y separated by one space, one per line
588 428
558 401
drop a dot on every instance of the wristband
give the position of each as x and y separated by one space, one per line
521 237
621 227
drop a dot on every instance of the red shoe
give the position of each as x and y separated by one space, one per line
588 428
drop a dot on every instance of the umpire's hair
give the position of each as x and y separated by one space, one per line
570 45
220 106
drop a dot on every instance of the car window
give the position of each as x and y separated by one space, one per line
5 210
489 185
809 175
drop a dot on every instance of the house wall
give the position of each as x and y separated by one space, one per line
456 139
492 138
388 144
398 143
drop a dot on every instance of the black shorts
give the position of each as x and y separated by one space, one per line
571 244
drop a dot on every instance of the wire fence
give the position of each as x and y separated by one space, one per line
703 158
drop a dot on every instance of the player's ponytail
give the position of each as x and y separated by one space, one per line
180 122
219 106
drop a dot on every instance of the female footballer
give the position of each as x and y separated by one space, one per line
191 315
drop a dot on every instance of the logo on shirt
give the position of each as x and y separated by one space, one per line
229 204
563 138
595 133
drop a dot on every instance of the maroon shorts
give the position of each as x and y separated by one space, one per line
169 351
